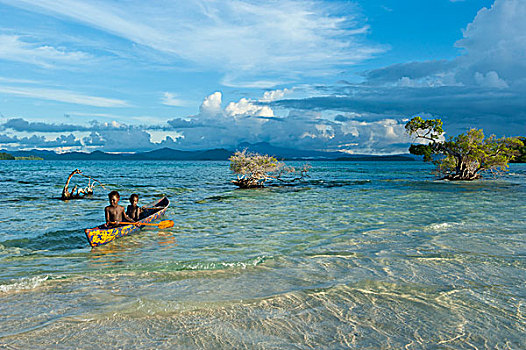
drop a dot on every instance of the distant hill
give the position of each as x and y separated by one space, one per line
6 156
212 154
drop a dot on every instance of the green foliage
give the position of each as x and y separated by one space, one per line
521 157
465 156
426 129
29 158
6 156
422 150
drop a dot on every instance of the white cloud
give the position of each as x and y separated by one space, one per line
434 80
170 99
158 136
63 96
250 121
274 95
490 79
496 41
211 106
14 49
246 107
245 40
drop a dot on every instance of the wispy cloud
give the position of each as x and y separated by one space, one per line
63 96
245 40
170 99
13 48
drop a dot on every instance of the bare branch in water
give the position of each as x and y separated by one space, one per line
76 192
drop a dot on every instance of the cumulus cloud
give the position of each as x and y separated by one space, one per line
410 70
483 87
246 107
494 55
5 139
19 124
214 127
116 137
180 123
495 41
247 121
34 141
274 95
107 136
119 139
490 79
211 105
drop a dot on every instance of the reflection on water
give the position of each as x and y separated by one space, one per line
362 255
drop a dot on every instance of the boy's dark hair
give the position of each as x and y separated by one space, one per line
114 193
135 195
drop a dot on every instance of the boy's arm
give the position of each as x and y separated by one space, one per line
107 215
126 217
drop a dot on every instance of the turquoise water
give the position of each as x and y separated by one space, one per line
362 255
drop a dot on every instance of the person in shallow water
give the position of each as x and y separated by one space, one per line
115 212
133 210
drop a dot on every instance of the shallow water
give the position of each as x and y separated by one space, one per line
361 255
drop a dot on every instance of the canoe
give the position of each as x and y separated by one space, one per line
101 234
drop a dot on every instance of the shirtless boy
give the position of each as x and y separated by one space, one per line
114 212
133 211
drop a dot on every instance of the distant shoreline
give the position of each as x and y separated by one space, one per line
212 154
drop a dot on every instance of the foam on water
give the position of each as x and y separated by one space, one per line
23 284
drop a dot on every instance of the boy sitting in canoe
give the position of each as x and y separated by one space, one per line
133 211
114 212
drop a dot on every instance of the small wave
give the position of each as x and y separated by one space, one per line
442 226
223 265
12 251
23 199
25 283
337 183
212 265
219 198
52 240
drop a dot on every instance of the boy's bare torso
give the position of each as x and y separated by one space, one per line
114 214
134 212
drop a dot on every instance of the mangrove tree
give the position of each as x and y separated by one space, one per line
463 157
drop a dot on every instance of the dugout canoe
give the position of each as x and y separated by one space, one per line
101 234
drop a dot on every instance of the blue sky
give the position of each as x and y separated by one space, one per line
124 76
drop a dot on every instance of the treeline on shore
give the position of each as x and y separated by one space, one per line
7 156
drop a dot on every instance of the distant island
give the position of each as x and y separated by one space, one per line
212 154
215 154
7 156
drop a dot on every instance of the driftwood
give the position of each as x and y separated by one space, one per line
76 192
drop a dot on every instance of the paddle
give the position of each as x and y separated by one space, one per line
162 224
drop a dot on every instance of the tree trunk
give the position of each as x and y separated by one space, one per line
65 193
247 183
77 193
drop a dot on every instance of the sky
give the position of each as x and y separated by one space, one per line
130 75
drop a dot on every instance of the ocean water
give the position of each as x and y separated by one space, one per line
365 255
